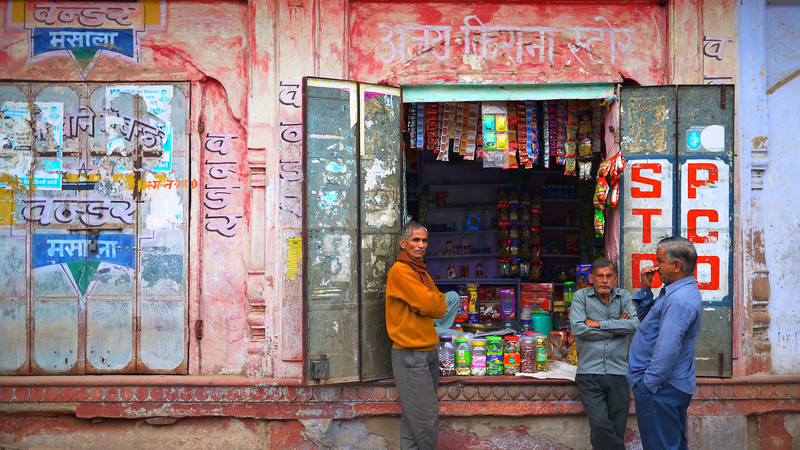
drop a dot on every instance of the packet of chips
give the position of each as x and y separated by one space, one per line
598 223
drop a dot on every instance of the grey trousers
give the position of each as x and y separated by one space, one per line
416 376
606 400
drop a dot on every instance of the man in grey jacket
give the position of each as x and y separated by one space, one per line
603 318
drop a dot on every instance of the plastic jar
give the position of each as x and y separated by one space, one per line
447 355
541 354
494 355
511 355
478 364
527 345
569 292
462 357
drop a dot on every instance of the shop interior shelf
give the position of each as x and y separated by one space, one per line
562 200
470 255
484 206
562 228
486 281
558 255
446 233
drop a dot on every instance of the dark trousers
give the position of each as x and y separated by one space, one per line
661 416
416 376
606 400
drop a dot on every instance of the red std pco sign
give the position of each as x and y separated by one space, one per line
700 212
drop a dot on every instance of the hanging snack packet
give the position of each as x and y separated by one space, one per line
585 170
501 122
488 122
598 223
490 141
501 141
601 191
613 196
569 167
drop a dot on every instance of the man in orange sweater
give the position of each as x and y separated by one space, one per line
412 302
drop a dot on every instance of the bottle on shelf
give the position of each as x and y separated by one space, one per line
569 292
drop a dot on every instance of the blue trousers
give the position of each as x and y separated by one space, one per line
661 416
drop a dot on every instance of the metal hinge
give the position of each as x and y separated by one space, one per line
198 330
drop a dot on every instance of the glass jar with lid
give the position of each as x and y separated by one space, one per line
478 361
462 357
494 355
511 355
447 355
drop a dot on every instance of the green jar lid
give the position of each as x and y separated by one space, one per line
494 338
461 339
569 282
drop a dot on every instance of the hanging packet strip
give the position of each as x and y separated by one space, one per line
458 128
462 147
489 113
420 131
411 126
546 134
532 145
472 131
445 114
597 125
432 127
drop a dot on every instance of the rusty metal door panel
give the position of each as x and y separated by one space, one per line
109 336
647 121
163 191
380 251
13 302
74 163
162 336
14 336
163 262
705 148
13 257
382 200
53 132
163 308
647 126
56 340
678 143
330 247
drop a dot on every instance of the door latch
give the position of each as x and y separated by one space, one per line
92 246
320 368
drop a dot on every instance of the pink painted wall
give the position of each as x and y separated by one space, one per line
244 61
426 42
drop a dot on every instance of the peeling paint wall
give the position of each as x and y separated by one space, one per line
188 269
568 432
244 62
427 43
782 223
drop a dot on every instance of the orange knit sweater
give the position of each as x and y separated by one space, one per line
408 330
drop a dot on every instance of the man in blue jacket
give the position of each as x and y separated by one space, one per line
661 368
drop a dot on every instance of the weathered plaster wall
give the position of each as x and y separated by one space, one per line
205 43
569 432
485 43
782 223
